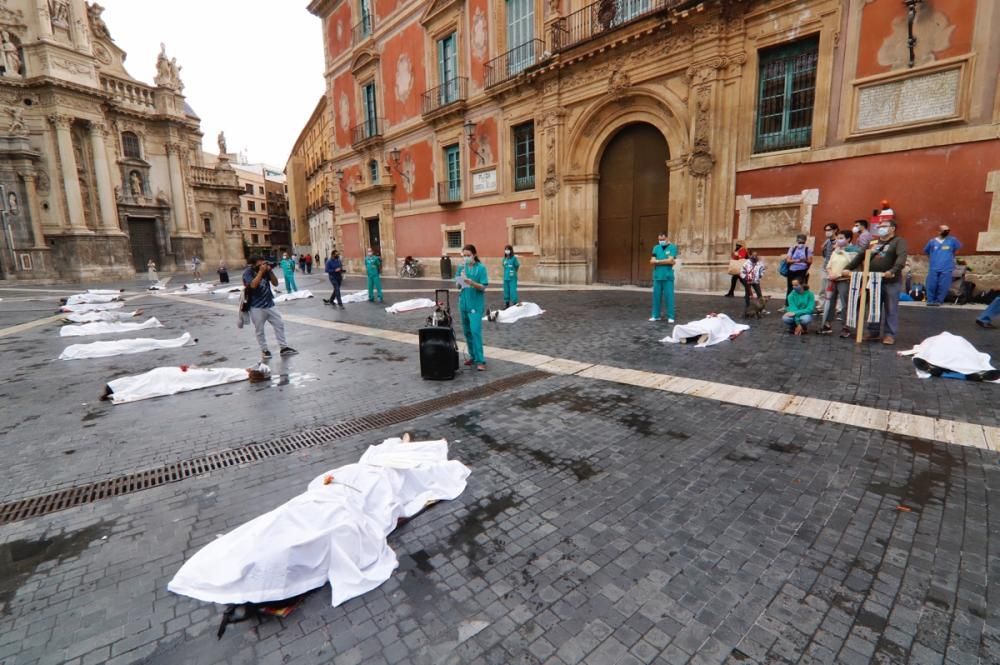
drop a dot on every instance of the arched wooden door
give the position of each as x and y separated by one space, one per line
632 203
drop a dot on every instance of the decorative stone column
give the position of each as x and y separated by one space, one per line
67 161
105 193
177 200
44 19
34 210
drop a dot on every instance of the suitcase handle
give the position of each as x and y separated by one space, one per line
445 301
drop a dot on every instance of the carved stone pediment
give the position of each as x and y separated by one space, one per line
365 60
438 8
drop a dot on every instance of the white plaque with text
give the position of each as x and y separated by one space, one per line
484 181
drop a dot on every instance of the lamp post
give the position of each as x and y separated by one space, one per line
911 16
394 156
470 137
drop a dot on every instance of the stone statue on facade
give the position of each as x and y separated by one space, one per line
222 144
10 55
17 126
59 13
168 72
97 24
136 182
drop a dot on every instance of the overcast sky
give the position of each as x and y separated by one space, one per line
253 68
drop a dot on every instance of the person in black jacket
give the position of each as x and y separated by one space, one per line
335 271
888 258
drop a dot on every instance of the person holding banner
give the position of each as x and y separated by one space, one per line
881 281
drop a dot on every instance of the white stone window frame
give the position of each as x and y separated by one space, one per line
445 249
806 201
513 224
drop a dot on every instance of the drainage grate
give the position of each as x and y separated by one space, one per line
45 504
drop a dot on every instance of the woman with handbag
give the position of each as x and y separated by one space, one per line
736 262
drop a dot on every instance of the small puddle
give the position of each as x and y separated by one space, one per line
20 558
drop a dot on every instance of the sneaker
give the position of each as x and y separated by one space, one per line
984 324
825 330
727 295
265 354
846 334
288 351
325 301
670 320
653 318
888 340
481 368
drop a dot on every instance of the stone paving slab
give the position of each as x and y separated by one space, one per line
602 524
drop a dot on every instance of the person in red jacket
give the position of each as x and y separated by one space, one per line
739 254
309 264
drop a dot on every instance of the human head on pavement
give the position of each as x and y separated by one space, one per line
470 254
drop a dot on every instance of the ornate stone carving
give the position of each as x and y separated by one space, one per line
552 185
700 162
97 24
59 13
61 121
222 143
17 125
619 84
102 54
168 72
11 58
70 66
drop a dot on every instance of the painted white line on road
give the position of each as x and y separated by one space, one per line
864 417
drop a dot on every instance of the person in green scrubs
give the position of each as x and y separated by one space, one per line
373 264
472 280
288 269
663 259
511 264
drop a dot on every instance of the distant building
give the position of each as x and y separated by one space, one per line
576 130
277 213
311 186
99 172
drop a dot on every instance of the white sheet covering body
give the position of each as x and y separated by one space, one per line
195 288
410 305
122 347
93 298
94 317
719 328
297 295
92 307
105 327
357 296
105 292
950 352
232 288
525 310
172 380
332 532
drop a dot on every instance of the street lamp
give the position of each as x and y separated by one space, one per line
470 137
911 16
394 156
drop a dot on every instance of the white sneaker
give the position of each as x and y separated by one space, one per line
653 318
670 320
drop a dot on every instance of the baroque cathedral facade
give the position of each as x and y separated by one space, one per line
100 172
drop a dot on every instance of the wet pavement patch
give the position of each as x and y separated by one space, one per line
474 524
20 558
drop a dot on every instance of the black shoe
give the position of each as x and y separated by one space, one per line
727 295
825 330
984 324
341 307
265 354
325 301
288 351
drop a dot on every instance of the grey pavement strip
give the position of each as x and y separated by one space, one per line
37 323
44 504
882 420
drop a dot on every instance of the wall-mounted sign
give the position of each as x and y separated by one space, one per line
484 181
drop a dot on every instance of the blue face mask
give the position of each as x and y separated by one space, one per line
663 243
799 289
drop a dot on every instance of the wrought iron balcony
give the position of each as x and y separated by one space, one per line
508 65
446 94
450 192
362 29
366 131
601 17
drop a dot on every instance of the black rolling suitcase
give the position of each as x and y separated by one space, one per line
438 347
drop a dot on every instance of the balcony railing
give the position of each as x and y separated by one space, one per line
367 130
508 65
601 17
449 92
362 30
450 192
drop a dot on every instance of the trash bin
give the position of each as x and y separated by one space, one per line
446 272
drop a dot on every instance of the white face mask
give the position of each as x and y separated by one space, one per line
829 234
857 229
884 231
506 252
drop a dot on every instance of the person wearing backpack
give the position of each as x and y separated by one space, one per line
798 259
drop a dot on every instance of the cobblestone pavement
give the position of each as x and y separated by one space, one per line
602 523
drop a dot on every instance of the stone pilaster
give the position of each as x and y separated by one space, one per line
34 210
178 201
44 19
67 161
105 192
